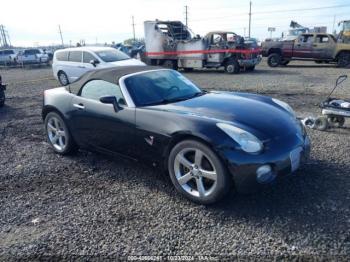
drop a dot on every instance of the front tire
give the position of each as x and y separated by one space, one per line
58 135
197 173
232 66
171 64
274 60
63 78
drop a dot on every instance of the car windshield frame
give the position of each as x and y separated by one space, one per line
162 98
114 55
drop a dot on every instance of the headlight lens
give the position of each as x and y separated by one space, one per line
248 142
284 105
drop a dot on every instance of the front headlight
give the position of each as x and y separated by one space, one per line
248 142
284 105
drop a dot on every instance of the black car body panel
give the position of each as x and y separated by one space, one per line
149 132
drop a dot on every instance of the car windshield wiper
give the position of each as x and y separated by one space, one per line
177 99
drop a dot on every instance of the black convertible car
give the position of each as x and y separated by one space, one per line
207 141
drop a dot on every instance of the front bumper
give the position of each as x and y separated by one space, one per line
249 62
278 155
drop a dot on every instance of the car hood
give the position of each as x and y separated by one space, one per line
254 113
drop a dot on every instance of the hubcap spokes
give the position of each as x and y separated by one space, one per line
56 133
195 172
63 79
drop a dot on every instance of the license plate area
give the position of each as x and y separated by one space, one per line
295 158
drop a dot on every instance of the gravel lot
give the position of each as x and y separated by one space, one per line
93 205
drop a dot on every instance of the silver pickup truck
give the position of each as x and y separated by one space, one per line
33 56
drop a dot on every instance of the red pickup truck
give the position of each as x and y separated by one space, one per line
321 48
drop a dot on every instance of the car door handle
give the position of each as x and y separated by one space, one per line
80 106
81 66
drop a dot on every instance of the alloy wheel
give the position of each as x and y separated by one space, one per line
195 172
57 133
63 79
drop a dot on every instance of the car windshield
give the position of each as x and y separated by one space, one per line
112 55
160 87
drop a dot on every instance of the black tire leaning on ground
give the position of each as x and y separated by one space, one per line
343 59
2 97
321 123
70 145
223 180
274 59
232 66
61 76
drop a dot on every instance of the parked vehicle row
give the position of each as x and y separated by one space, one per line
26 56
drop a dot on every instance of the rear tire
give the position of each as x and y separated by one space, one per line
344 59
187 69
197 173
250 68
274 60
232 67
58 135
171 64
63 78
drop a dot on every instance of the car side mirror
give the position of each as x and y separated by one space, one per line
111 100
94 62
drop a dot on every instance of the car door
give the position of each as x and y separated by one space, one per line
323 47
303 47
98 125
74 67
87 58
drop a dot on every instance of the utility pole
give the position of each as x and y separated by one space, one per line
333 24
186 15
250 17
133 28
59 28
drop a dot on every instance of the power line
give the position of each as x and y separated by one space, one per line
273 11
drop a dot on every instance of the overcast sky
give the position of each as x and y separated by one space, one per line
35 22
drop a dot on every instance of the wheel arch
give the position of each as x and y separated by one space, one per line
340 52
274 50
50 108
188 136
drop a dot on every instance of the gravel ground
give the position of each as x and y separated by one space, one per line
94 205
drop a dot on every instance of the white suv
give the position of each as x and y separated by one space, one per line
71 63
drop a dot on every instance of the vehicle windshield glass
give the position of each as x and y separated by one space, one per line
160 87
112 55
